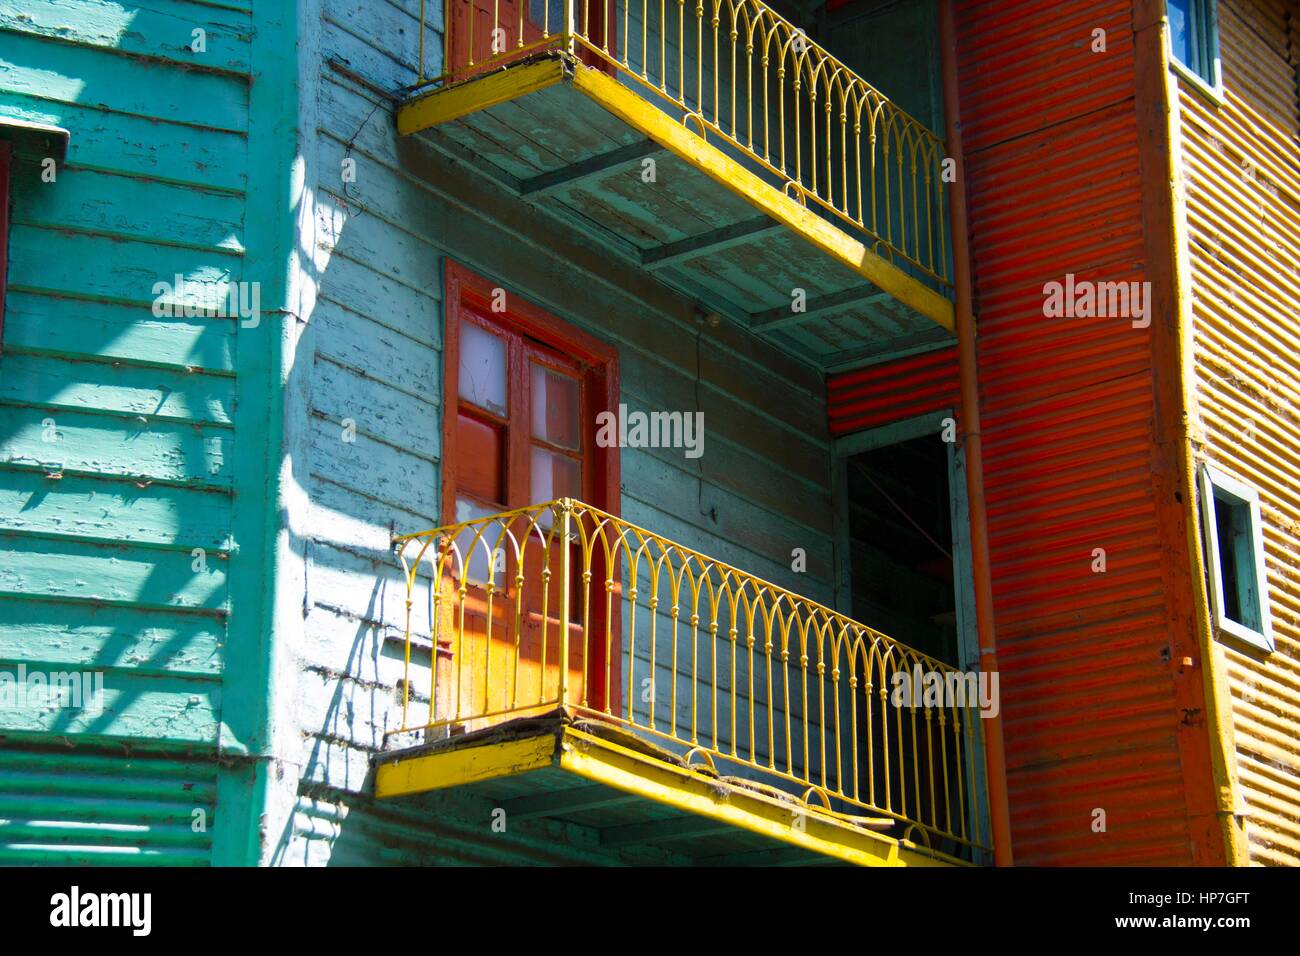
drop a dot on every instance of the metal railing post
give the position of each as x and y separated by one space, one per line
570 32
566 504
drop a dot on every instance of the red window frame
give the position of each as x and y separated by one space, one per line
533 334
469 297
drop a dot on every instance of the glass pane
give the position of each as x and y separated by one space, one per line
554 476
1182 34
482 368
478 556
556 407
480 459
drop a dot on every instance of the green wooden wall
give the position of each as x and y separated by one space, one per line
117 428
375 334
282 653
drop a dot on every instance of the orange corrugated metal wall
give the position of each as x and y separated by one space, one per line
893 391
1052 159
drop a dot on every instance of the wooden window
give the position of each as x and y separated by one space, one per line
1234 545
1194 40
521 394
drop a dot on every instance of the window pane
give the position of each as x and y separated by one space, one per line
556 407
480 464
482 368
478 556
554 476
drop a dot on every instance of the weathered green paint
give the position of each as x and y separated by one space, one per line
117 427
280 654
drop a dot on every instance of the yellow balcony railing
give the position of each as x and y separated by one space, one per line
746 78
691 654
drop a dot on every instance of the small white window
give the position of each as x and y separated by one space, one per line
1194 40
1234 544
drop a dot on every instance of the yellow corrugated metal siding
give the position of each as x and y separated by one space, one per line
1242 176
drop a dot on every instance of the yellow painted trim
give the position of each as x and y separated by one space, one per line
445 105
645 117
441 769
602 761
605 762
1218 704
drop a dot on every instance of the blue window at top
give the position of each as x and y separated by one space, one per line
1193 37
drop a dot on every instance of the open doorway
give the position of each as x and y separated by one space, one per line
901 542
900 545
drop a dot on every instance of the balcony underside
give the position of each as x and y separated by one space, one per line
572 139
601 777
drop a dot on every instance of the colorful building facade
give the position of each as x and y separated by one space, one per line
860 350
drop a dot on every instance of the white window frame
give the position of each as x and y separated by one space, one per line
1216 483
1211 86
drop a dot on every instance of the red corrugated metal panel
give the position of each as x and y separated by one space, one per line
893 391
1055 188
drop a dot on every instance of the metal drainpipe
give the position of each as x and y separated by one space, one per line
995 758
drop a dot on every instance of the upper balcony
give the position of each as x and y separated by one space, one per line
703 712
713 144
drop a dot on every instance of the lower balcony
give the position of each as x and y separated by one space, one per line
567 664
715 146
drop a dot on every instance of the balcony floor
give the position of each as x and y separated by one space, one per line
571 139
601 777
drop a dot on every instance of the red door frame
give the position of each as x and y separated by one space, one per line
465 289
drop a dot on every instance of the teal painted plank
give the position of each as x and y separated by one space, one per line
376 350
157 709
385 246
123 270
76 634
120 574
106 510
134 145
109 445
390 29
121 84
134 209
57 383
373 468
50 324
139 29
379 410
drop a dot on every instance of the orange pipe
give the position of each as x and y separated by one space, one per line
995 758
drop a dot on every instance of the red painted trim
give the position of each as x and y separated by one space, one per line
535 333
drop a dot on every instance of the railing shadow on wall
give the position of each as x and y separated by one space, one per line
701 659
751 83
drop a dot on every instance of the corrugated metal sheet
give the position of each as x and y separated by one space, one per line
893 391
1091 720
78 808
1243 207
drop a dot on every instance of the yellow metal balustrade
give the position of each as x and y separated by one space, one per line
726 671
745 78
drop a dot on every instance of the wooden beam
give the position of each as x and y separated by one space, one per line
604 162
444 105
567 802
782 315
671 253
649 120
687 827
456 767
